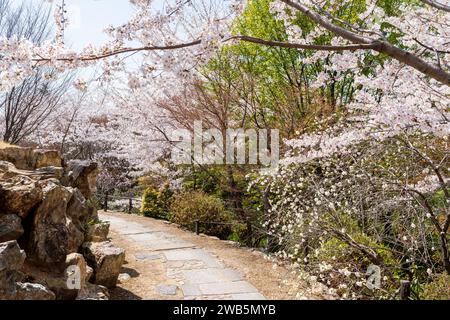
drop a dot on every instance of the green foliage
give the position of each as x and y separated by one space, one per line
338 250
194 206
155 203
207 180
93 202
438 289
438 200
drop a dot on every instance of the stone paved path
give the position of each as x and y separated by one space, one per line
198 274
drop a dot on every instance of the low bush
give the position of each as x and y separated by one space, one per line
214 219
156 203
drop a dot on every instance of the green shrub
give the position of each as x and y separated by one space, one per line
156 204
164 200
439 289
191 206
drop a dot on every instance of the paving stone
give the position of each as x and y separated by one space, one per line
190 290
193 254
186 264
147 256
210 275
227 288
145 237
215 297
167 290
123 226
248 296
174 274
233 275
202 276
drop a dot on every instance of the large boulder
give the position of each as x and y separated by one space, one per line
11 260
47 158
77 273
49 236
7 170
10 227
46 173
19 195
11 256
78 216
75 237
77 208
106 260
97 232
22 158
65 281
29 159
83 175
32 291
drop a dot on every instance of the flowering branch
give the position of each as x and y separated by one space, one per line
270 43
378 45
121 51
437 5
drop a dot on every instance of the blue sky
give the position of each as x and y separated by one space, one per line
89 18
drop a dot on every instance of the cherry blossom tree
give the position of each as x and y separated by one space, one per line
355 181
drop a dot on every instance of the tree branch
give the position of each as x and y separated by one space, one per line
270 43
437 5
379 45
125 50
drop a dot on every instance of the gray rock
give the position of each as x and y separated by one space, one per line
10 227
93 292
83 175
97 232
123 278
11 256
89 273
248 296
77 219
18 195
33 291
22 158
49 235
11 260
106 260
236 287
67 283
190 290
46 158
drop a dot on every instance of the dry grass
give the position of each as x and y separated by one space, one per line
5 145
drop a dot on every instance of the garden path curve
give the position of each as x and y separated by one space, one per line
191 272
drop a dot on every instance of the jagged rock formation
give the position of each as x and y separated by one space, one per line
47 223
30 159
